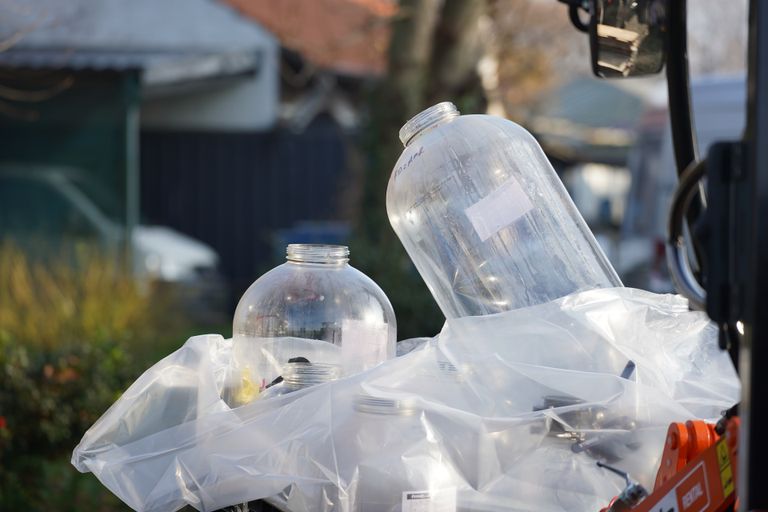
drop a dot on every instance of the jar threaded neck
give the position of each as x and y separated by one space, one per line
303 375
379 405
317 253
426 119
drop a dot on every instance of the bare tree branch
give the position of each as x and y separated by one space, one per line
40 18
22 114
13 94
17 36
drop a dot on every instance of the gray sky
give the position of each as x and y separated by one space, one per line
717 36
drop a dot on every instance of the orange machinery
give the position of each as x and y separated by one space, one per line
697 473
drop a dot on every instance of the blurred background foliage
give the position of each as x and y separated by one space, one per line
76 328
74 333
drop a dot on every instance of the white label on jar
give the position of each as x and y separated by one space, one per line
440 500
499 209
363 345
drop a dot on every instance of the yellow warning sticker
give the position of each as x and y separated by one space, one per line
726 477
722 455
726 473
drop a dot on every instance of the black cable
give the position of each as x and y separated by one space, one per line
678 86
686 281
573 13
681 200
680 116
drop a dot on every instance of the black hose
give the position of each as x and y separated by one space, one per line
573 13
680 116
678 87
686 282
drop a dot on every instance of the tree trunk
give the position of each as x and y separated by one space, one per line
456 51
410 51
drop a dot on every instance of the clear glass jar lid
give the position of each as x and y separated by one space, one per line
303 375
379 405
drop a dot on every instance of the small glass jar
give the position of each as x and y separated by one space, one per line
442 389
312 319
396 456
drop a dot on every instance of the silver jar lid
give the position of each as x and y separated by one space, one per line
379 405
303 375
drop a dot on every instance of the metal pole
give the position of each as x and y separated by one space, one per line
132 171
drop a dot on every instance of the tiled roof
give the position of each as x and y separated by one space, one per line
347 36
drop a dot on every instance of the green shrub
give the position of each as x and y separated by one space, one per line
73 335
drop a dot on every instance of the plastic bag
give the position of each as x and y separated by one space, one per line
502 412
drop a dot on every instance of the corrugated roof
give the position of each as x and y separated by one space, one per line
168 40
76 59
347 36
175 25
157 67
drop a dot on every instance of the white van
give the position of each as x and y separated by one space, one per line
46 209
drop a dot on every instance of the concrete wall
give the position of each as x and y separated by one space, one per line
239 104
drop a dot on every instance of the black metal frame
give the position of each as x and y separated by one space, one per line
735 231
592 31
753 452
737 275
737 226
680 114
678 86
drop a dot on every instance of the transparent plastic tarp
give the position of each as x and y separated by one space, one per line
503 412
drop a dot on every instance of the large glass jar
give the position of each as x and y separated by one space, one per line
312 319
484 217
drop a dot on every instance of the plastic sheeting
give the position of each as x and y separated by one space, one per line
503 412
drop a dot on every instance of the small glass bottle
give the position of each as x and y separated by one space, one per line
312 319
395 455
484 217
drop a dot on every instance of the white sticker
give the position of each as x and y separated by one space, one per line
499 209
440 500
363 345
667 504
